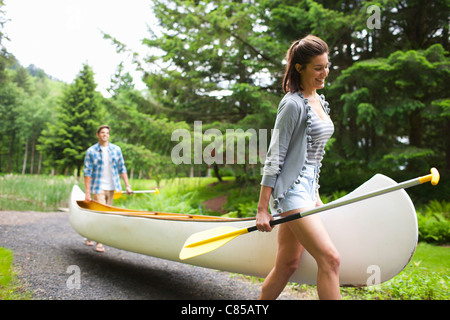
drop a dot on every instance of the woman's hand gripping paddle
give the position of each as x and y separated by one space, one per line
212 239
118 194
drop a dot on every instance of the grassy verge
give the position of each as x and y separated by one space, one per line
10 288
426 277
34 192
180 195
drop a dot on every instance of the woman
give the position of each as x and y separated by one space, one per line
291 172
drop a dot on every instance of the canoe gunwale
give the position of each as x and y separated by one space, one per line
106 209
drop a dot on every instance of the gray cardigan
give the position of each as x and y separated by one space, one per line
286 155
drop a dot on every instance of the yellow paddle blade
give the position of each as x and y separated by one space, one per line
117 194
209 240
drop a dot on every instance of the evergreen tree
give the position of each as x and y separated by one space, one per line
392 108
11 101
65 141
213 65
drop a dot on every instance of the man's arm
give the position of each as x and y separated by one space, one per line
123 171
124 177
87 186
87 172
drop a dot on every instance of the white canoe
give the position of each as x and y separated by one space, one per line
376 238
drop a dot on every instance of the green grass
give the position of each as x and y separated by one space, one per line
48 193
426 277
10 288
180 195
34 192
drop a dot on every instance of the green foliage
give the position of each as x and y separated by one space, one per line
434 228
10 288
243 201
64 142
434 222
145 137
35 192
10 103
178 195
424 278
439 207
6 259
387 103
27 102
417 284
211 62
334 196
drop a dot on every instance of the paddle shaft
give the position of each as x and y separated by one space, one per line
141 191
340 203
144 191
201 243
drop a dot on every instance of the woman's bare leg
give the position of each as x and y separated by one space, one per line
293 237
288 256
312 234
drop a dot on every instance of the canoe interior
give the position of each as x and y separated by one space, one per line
98 207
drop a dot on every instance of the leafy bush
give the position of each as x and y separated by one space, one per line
417 284
243 201
334 196
435 206
424 278
434 223
434 228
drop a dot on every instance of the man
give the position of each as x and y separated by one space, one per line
103 165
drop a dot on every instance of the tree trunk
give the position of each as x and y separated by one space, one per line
25 156
216 171
447 149
416 129
39 164
11 153
33 149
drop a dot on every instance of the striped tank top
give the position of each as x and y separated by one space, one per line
321 132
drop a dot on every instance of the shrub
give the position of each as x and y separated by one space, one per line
434 228
434 224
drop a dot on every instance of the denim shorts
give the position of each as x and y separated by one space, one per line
302 194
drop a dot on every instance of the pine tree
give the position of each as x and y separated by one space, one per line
65 142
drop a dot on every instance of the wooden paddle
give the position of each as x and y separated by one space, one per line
212 239
118 194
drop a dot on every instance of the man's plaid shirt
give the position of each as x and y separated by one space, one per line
93 166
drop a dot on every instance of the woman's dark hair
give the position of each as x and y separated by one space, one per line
302 52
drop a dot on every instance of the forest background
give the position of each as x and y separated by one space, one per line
222 63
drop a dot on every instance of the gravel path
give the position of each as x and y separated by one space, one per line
50 257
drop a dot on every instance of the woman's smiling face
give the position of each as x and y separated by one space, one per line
314 73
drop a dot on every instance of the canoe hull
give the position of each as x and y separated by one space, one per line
376 238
